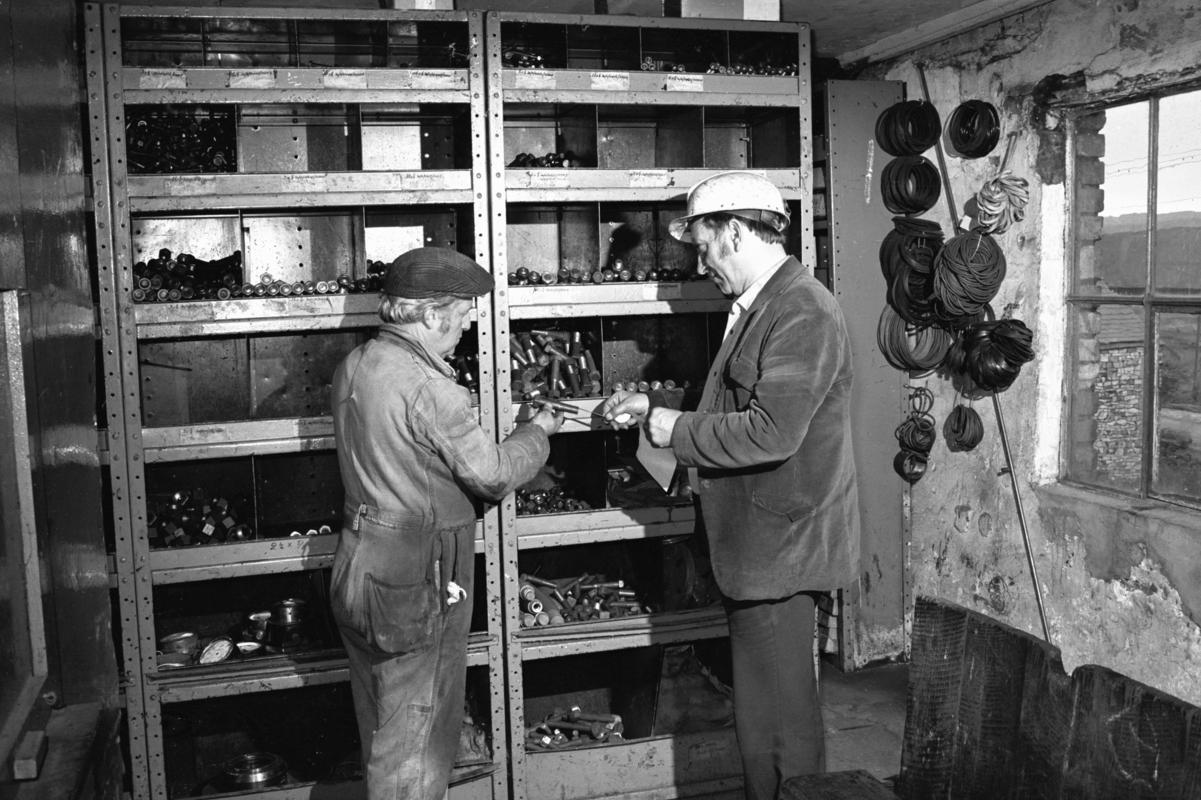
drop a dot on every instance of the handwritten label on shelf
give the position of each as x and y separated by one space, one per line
649 178
436 79
549 179
188 185
299 182
421 180
663 291
162 79
684 83
251 79
314 426
610 81
344 79
202 435
535 79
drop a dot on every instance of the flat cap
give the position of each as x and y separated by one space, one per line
435 272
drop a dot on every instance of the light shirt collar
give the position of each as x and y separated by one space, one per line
744 300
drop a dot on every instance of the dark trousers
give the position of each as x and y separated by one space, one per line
409 708
777 712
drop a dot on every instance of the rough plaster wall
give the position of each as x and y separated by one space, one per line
1121 589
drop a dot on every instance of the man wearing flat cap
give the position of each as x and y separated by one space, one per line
414 461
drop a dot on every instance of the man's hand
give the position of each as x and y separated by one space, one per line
625 409
659 425
548 420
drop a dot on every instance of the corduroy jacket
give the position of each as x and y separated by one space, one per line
771 441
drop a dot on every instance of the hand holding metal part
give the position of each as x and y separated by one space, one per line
624 409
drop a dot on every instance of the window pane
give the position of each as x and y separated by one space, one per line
1111 201
1178 201
1105 440
1176 469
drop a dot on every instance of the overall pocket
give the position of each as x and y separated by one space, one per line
401 587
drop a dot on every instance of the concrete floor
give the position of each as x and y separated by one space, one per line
864 713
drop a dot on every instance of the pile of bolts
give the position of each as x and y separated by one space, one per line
617 272
586 598
552 364
574 728
191 517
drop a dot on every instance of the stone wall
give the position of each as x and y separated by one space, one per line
1121 579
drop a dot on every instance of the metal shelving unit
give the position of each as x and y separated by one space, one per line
277 76
634 153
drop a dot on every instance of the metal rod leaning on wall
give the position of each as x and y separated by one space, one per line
996 398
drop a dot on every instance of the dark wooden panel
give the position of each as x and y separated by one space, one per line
849 785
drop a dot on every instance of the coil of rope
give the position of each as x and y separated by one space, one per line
974 128
991 353
916 436
910 185
908 128
968 271
1001 202
962 429
913 241
909 348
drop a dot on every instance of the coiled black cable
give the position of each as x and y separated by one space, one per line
968 271
908 128
991 353
911 240
907 348
962 429
910 185
916 436
973 129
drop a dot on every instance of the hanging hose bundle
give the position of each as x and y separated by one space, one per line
914 350
916 436
973 128
967 273
962 429
991 353
908 128
910 185
911 241
1001 202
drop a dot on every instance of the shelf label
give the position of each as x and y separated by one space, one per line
301 182
549 179
344 79
162 79
649 178
421 180
436 79
188 185
610 81
678 82
535 79
663 291
251 79
202 435
313 426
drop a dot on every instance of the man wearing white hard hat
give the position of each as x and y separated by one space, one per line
769 454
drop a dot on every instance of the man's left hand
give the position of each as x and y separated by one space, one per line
660 422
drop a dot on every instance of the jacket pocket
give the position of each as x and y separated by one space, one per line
791 508
741 376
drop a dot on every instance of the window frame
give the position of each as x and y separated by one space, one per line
1150 301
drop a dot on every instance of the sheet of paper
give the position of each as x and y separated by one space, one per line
660 462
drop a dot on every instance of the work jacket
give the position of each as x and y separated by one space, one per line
771 444
413 458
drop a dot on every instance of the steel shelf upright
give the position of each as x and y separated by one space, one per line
597 128
291 87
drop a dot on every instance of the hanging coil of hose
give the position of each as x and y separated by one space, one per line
991 353
906 347
911 240
916 436
973 129
1001 202
962 429
967 273
910 185
908 128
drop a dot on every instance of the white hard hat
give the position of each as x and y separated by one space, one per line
743 194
